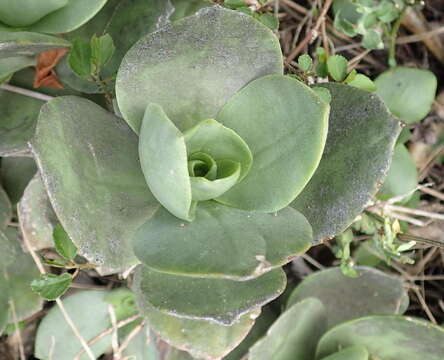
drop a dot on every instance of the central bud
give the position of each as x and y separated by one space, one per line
201 164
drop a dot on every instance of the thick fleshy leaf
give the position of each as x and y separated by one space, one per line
126 21
408 93
20 13
294 334
89 312
261 325
360 142
387 337
36 216
163 157
220 142
350 353
200 338
221 301
184 8
19 274
176 354
193 66
14 44
285 125
68 18
89 164
203 189
16 173
346 298
17 124
402 177
10 65
5 209
222 241
4 299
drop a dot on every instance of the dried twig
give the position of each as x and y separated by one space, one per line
311 34
26 92
59 303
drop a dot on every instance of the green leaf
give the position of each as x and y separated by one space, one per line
402 177
20 13
36 216
408 93
346 298
4 298
222 301
222 242
269 20
63 243
10 65
386 337
80 57
15 44
286 151
349 353
321 70
200 62
235 3
89 312
220 142
372 39
50 286
163 157
363 82
347 177
16 173
101 209
202 339
17 126
294 334
305 62
183 8
337 67
5 209
69 17
323 93
134 16
123 301
102 49
19 270
144 346
203 189
261 325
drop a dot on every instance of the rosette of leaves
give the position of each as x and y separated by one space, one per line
333 317
200 180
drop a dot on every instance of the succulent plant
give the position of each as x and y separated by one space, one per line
219 171
333 317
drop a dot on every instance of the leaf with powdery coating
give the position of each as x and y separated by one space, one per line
89 164
360 142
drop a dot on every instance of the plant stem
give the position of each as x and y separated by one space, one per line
26 92
393 34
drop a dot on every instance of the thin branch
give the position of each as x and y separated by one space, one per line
311 34
107 332
417 212
432 192
17 329
130 336
59 303
115 335
26 92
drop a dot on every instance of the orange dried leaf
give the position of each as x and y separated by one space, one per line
45 74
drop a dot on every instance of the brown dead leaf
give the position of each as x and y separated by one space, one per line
45 74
